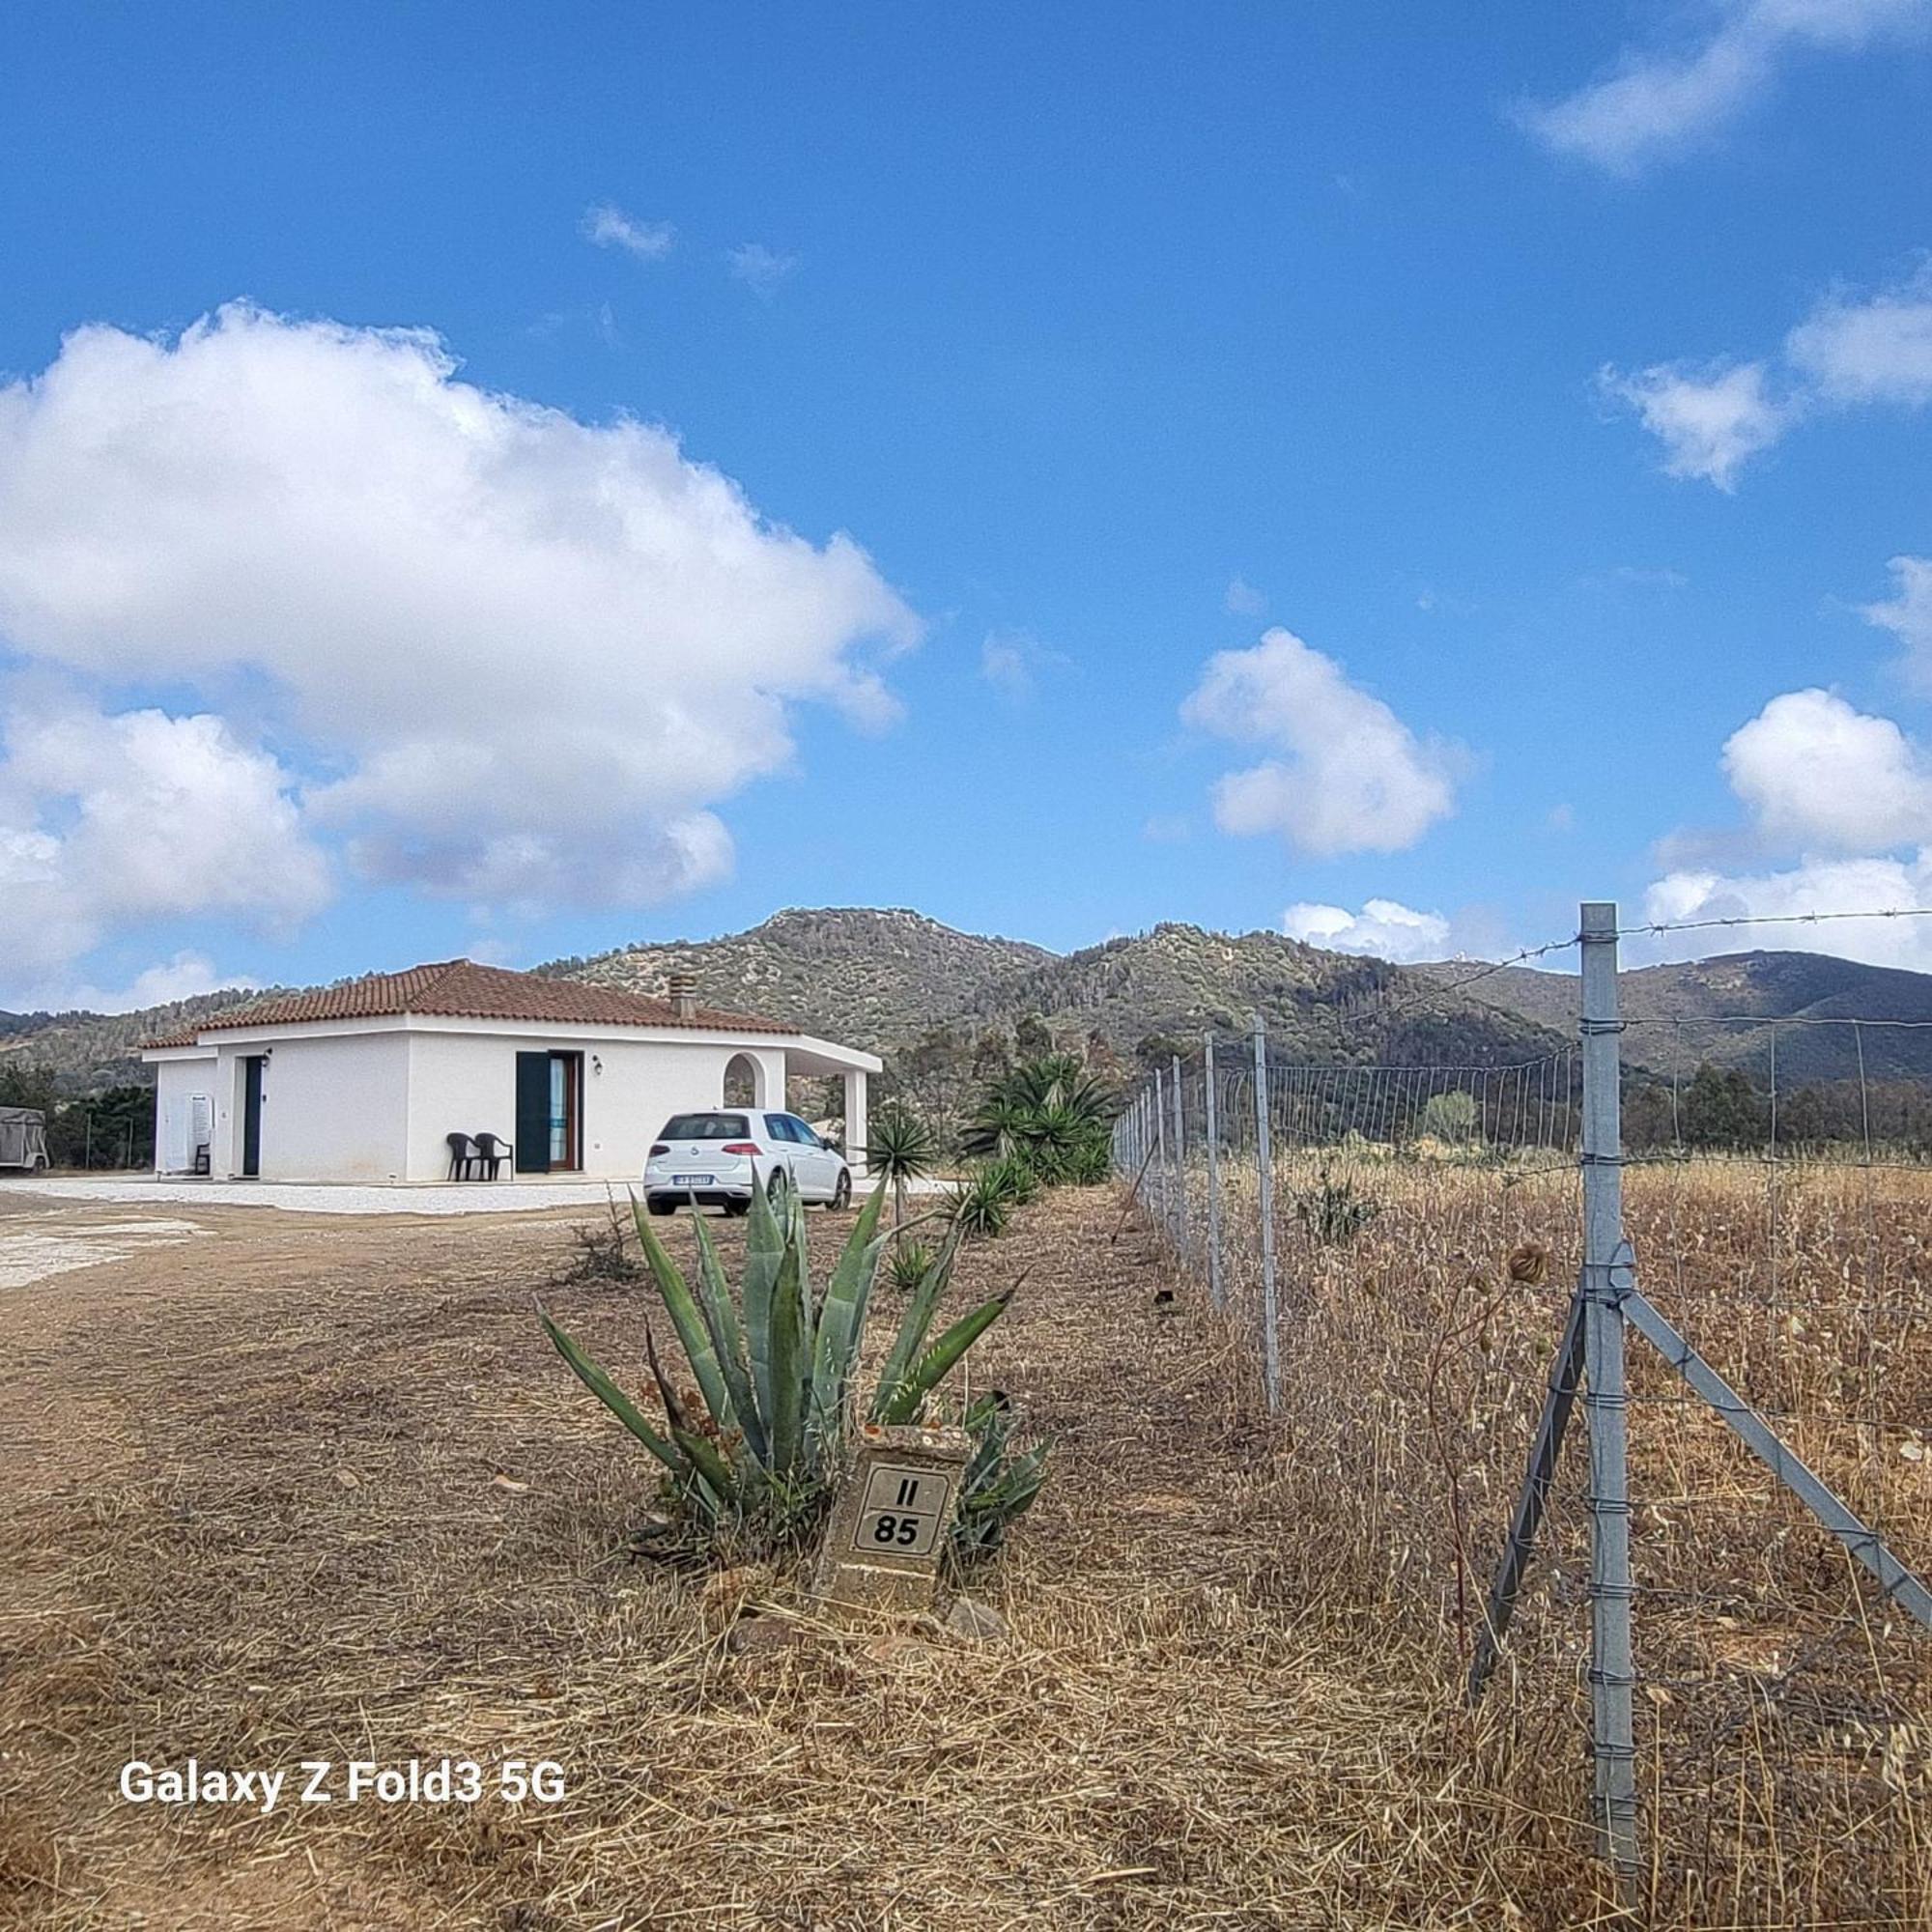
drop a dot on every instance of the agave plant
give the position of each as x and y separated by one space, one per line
910 1263
999 1486
760 1441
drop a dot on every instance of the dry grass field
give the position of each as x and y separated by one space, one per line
294 1490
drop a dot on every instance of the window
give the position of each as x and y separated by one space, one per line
780 1128
705 1127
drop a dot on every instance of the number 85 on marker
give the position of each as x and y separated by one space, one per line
903 1510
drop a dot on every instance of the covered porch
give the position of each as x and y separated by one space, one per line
819 1059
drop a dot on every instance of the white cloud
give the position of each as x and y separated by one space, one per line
762 270
114 821
1847 352
1387 928
1907 616
1878 350
610 227
1005 664
1241 599
1657 105
1709 422
1816 886
183 977
1818 776
525 656
1351 776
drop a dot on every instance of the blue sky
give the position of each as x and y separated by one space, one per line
1556 380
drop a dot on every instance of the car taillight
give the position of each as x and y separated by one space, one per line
739 1146
660 1147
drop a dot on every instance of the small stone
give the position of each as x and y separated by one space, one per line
969 1617
761 1637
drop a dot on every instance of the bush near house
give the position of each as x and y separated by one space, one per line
114 1128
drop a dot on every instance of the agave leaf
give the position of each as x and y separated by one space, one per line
709 1464
615 1399
921 1307
841 1321
764 1252
685 1317
905 1403
789 1366
720 1318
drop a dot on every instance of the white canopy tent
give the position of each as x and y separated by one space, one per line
23 1138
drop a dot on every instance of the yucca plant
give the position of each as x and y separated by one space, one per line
1048 1113
901 1147
910 1263
982 1204
756 1446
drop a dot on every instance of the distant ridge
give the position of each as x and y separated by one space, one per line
903 984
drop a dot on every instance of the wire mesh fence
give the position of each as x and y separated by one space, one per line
1421 1270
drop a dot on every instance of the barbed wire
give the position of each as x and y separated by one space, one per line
1654 926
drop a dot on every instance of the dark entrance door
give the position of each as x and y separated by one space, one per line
532 1113
251 1113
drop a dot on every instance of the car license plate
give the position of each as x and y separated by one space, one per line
693 1180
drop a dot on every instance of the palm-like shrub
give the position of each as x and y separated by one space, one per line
910 1263
1051 1114
755 1449
982 1204
902 1147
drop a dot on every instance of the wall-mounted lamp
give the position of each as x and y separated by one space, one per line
596 1064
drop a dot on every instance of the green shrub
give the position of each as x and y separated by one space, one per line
1333 1212
752 1454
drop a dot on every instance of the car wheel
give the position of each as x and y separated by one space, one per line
662 1207
842 1194
778 1186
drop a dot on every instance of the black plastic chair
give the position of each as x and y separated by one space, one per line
492 1153
463 1156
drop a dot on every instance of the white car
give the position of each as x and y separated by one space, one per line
715 1159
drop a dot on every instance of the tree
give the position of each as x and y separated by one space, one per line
1720 1109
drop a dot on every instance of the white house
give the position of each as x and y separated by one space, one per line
367 1081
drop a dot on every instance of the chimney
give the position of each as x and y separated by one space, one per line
683 995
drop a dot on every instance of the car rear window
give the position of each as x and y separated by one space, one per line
704 1127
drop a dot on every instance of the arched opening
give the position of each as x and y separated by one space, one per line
744 1082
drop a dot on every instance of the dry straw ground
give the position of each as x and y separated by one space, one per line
321 1490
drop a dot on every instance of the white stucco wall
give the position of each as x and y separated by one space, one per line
335 1107
177 1083
465 1082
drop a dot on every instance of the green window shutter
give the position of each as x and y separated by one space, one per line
532 1113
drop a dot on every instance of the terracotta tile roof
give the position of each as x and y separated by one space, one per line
186 1037
462 989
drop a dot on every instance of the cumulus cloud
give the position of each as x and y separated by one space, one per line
1709 421
1819 775
1872 885
1387 928
182 978
1658 103
112 821
763 270
1850 350
608 226
1849 796
1348 774
523 658
1907 616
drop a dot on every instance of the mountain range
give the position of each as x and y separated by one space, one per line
912 989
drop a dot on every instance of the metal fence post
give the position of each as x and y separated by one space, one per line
1605 1401
1182 1227
1160 1152
1215 1290
1265 1159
